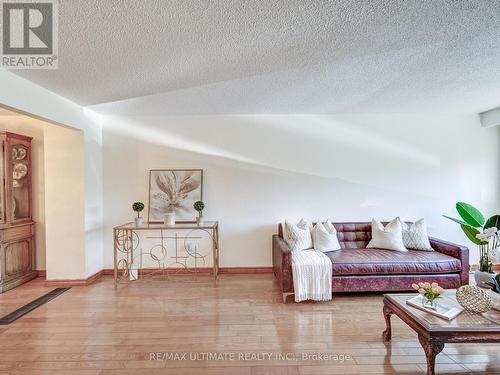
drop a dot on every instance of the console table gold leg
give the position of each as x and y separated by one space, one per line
218 250
215 247
131 252
214 255
115 271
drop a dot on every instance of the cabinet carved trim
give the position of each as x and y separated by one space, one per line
17 257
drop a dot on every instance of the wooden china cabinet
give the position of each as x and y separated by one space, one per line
17 228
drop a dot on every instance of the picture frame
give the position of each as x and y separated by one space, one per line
174 190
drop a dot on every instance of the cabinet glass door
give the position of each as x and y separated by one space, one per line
20 182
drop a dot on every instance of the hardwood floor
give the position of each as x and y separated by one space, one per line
95 330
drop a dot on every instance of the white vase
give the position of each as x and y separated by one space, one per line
200 220
483 277
428 304
496 299
169 219
139 221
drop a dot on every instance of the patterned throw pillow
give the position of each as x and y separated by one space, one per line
415 235
298 236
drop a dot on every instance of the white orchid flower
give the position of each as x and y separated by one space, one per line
490 231
482 237
494 255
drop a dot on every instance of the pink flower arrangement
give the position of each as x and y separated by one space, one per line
428 290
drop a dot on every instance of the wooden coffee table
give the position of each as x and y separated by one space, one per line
434 332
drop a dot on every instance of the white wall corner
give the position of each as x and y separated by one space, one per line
490 118
93 194
64 203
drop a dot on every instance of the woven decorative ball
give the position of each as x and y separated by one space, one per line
474 299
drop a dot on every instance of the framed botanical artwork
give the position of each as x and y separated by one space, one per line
174 190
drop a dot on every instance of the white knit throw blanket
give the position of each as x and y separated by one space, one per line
312 275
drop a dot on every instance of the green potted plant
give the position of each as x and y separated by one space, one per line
138 207
199 206
483 233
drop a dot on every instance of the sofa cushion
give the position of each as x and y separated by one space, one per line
415 235
298 236
389 237
379 262
325 237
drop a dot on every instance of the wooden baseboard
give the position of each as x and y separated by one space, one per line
245 270
42 273
16 281
208 270
78 282
179 271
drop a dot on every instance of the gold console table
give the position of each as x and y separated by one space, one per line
156 248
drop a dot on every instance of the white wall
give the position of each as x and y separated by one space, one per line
23 95
33 128
259 170
65 203
93 195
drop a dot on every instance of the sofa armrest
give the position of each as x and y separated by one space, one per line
455 251
282 264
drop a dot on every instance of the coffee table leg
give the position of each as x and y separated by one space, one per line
432 348
388 331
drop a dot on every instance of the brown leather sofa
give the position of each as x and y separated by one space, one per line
358 269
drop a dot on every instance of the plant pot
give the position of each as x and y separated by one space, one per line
200 220
483 277
139 221
169 219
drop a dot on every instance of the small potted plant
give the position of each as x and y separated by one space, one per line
138 207
199 206
430 293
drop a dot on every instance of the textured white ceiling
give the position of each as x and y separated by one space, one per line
288 56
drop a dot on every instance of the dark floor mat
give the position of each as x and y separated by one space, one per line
13 316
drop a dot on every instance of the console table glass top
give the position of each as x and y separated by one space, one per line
148 226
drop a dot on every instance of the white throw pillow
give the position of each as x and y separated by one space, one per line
389 237
415 235
298 236
325 237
